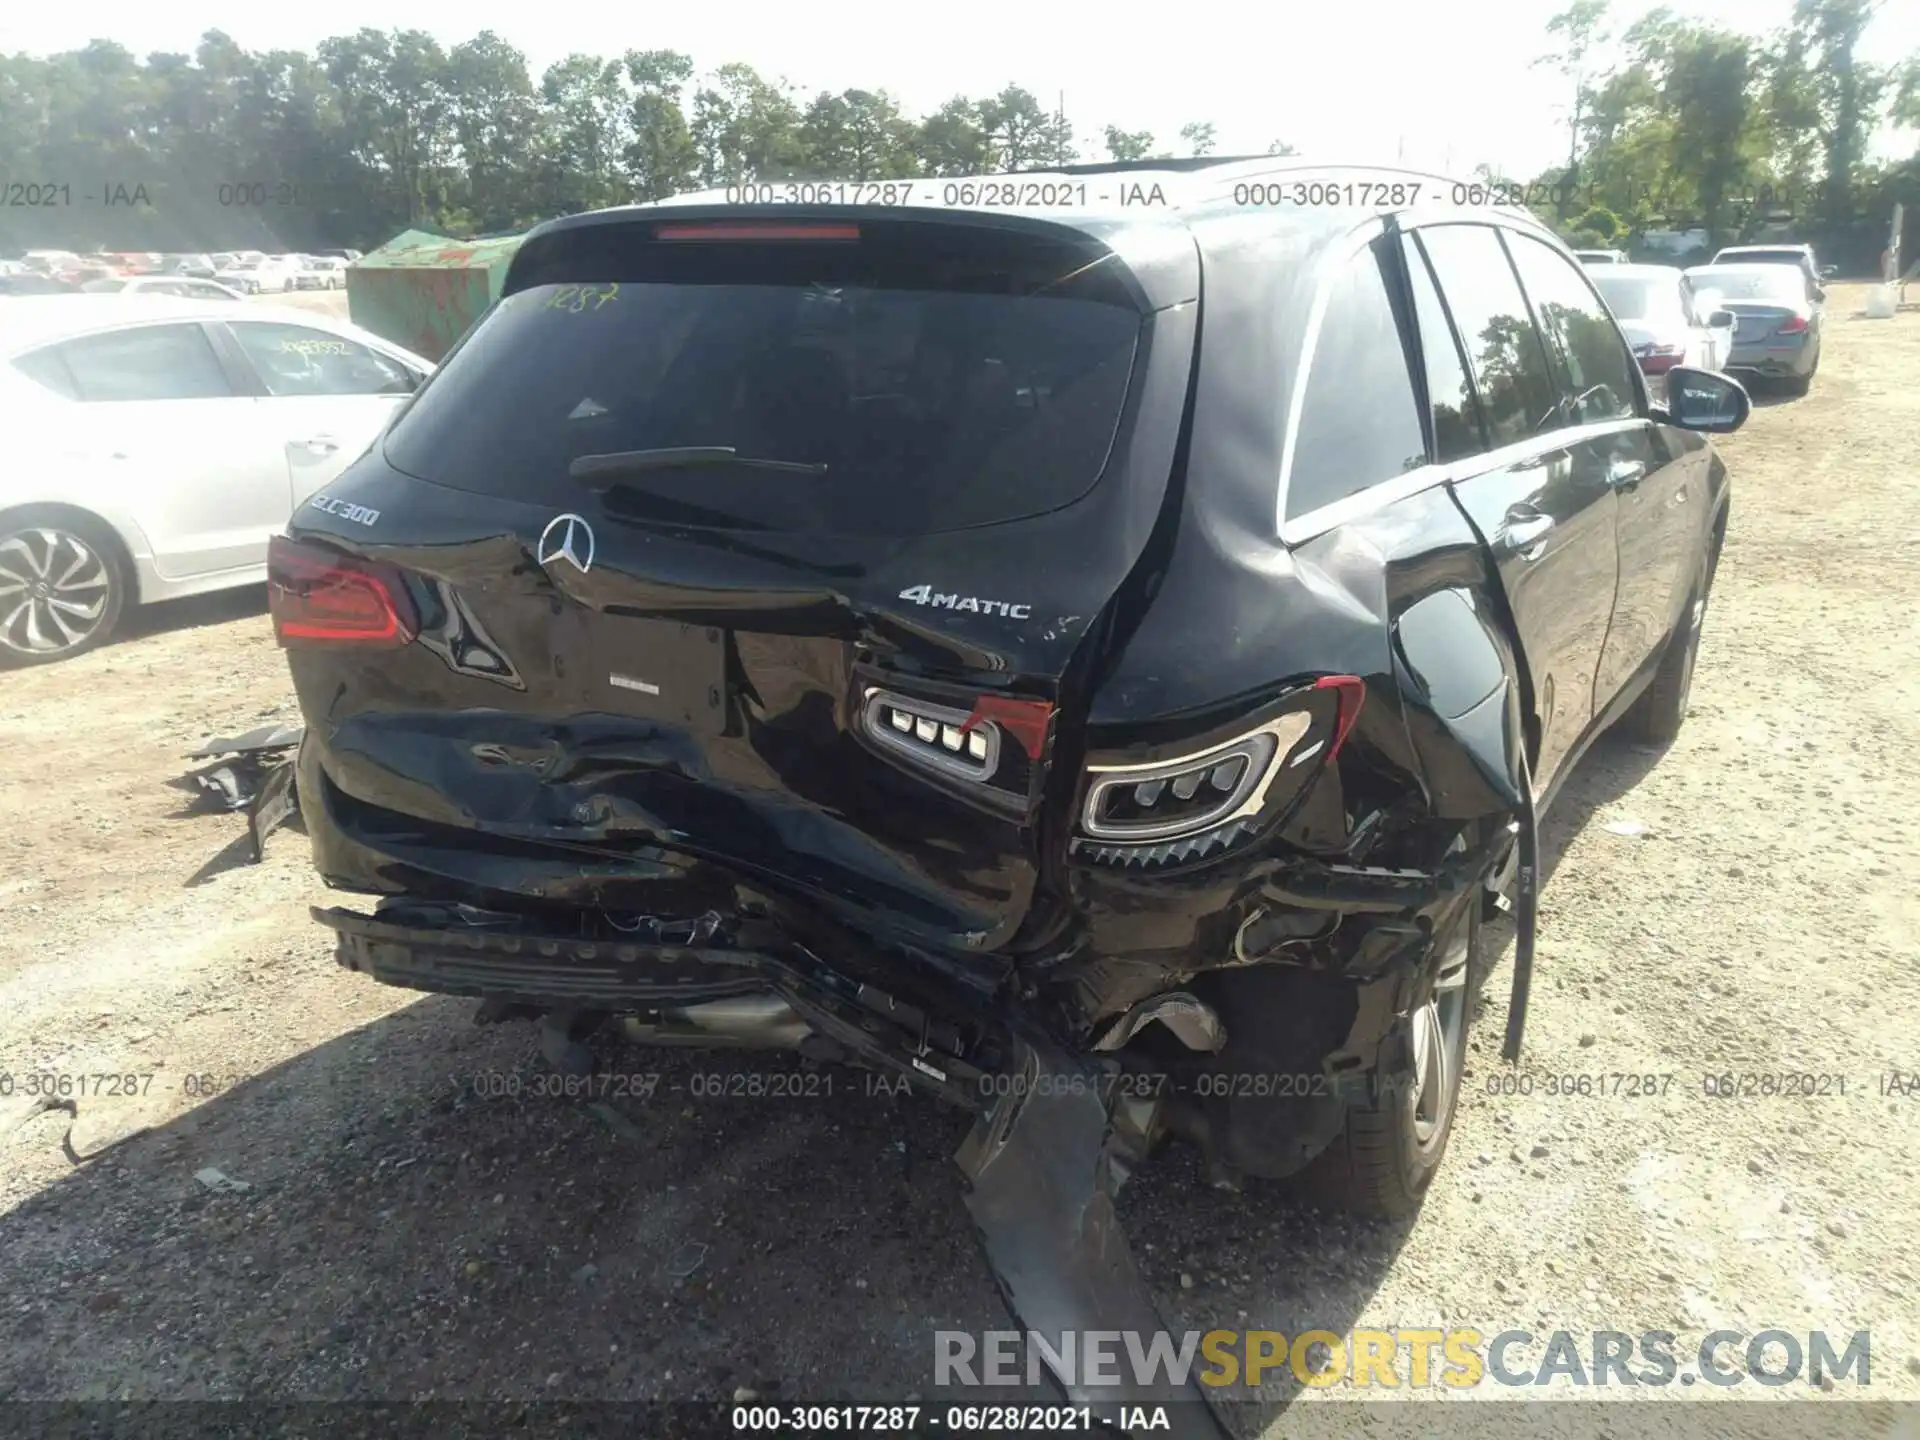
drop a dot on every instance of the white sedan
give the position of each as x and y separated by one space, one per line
156 444
185 287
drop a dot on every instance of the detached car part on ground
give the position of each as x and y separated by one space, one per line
253 773
1102 669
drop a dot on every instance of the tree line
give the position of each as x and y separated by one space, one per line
1670 124
376 132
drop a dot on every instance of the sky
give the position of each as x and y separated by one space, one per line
1441 86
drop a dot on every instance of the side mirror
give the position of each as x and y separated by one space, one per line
1721 320
1705 401
1827 272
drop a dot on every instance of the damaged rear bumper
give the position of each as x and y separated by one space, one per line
1042 1164
708 960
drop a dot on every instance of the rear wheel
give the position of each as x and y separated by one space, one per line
62 587
1390 1149
1657 715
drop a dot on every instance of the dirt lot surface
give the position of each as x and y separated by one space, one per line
1745 904
321 302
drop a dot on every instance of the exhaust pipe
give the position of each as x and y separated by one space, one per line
747 1022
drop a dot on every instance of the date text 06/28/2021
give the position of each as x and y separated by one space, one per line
944 1419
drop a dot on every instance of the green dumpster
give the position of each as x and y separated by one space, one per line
422 290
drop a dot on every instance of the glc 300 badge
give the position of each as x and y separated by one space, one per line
927 595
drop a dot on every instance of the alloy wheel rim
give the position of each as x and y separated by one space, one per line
1438 1027
54 589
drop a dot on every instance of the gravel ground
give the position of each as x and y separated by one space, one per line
321 302
1744 903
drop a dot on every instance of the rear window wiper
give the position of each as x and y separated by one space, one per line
614 467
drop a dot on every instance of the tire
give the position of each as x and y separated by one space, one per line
64 583
1389 1150
1656 717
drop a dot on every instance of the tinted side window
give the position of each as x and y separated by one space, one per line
50 370
294 360
1509 360
151 362
1596 367
1359 420
1456 415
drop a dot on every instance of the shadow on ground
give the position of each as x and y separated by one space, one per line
419 1221
193 612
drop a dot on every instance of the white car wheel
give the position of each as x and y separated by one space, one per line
61 590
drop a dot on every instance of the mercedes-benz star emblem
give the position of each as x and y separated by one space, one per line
569 538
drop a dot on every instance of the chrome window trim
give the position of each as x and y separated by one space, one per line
1362 502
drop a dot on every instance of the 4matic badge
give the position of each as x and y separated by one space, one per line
927 595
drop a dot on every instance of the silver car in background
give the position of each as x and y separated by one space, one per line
1662 322
1779 316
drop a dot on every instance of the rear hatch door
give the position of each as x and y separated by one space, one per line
766 543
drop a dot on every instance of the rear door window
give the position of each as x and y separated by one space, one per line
1594 366
1359 420
1509 359
46 367
1456 415
942 384
149 362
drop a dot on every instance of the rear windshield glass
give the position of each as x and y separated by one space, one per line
1637 299
1759 282
1763 257
956 396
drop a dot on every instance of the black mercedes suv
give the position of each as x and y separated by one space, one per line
1095 645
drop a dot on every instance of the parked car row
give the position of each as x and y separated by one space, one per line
242 272
1753 311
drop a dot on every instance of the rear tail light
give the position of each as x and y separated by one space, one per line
1025 720
986 749
935 735
1658 359
1352 691
1793 325
1193 805
320 598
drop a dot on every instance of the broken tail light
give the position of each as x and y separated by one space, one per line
1192 805
991 744
946 739
321 598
